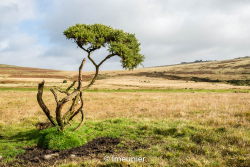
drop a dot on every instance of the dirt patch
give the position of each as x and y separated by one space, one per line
133 145
35 156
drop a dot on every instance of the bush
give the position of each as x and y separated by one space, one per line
56 140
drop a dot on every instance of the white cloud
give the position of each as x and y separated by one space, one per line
17 47
170 31
4 45
14 11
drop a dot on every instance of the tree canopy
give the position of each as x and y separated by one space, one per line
118 43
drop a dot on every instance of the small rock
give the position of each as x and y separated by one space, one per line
1 157
72 155
50 156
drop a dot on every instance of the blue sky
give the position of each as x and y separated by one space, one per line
170 31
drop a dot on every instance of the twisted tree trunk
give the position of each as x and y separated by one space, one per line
60 119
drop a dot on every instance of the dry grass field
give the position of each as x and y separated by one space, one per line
164 114
215 109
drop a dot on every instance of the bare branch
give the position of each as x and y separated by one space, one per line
71 109
79 109
71 86
67 90
61 91
80 74
93 62
97 68
106 58
42 104
74 100
82 118
55 95
76 91
94 78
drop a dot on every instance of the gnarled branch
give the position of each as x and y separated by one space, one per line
67 90
80 74
81 111
55 95
71 86
106 58
71 109
74 96
42 104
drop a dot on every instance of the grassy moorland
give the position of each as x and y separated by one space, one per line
228 74
169 121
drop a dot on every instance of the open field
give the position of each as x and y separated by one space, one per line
161 113
223 109
226 74
224 116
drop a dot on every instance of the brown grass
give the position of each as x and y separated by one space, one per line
223 70
175 76
224 109
212 109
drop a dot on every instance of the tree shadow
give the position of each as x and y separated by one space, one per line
28 135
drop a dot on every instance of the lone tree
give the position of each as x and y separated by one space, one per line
90 38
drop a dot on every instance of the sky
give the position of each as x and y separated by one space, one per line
170 31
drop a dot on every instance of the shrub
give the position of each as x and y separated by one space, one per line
57 140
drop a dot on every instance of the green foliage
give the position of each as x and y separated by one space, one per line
117 42
56 140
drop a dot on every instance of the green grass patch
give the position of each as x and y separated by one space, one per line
13 139
166 142
56 140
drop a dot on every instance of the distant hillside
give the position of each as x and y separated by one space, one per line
234 71
11 71
4 66
238 68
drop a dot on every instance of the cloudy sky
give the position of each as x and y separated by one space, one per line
170 31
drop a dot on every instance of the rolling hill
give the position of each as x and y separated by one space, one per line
213 74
